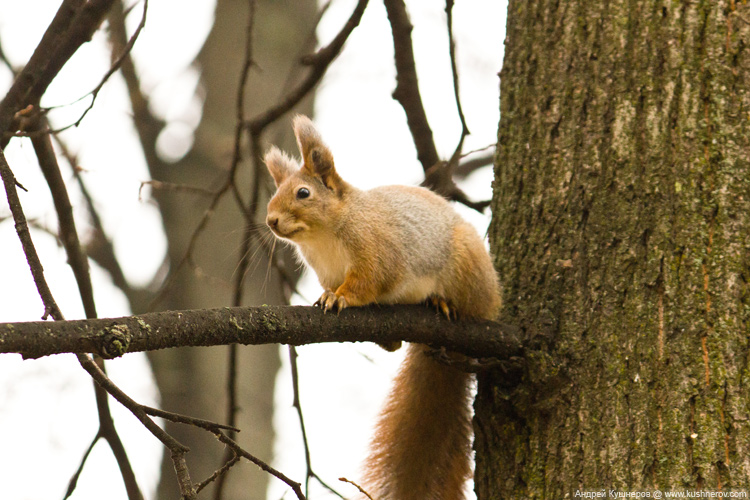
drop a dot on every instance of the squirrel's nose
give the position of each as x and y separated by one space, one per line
272 221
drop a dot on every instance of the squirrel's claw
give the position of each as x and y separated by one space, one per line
442 306
330 301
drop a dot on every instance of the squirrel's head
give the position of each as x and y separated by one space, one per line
305 196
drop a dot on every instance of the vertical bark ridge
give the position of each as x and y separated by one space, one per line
622 225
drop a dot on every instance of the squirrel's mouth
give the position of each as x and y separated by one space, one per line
286 234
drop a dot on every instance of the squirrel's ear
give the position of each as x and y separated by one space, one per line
317 158
279 164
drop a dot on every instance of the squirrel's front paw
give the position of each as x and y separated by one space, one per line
329 301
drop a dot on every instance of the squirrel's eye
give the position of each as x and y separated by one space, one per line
303 193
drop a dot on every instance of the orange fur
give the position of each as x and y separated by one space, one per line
393 245
422 443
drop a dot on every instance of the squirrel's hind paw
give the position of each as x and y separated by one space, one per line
330 301
442 306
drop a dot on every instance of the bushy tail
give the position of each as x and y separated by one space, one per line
421 449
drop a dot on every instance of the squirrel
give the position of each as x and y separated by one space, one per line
392 245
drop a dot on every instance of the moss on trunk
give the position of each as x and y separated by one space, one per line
622 227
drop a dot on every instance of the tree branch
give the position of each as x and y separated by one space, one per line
147 126
294 325
177 449
318 63
73 25
456 94
68 233
438 173
468 167
124 55
407 85
24 235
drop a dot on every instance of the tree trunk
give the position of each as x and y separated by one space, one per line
193 381
621 229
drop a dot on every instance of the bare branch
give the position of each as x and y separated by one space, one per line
178 450
295 325
94 93
108 431
466 168
454 72
318 63
74 479
220 472
147 126
6 62
125 54
68 233
296 487
361 490
438 173
22 228
407 84
78 261
310 474
73 25
184 419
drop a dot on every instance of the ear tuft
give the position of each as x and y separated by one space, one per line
306 134
317 158
279 165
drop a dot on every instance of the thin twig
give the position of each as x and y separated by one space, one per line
453 162
171 186
177 450
74 479
231 415
294 485
184 419
232 406
78 261
466 168
22 229
109 433
219 473
4 59
101 249
361 490
438 173
73 25
147 126
298 406
318 63
113 68
138 410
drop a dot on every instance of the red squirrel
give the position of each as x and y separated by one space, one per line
392 245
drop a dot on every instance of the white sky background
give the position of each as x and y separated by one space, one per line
342 385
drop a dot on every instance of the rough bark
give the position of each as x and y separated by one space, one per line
621 224
295 325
